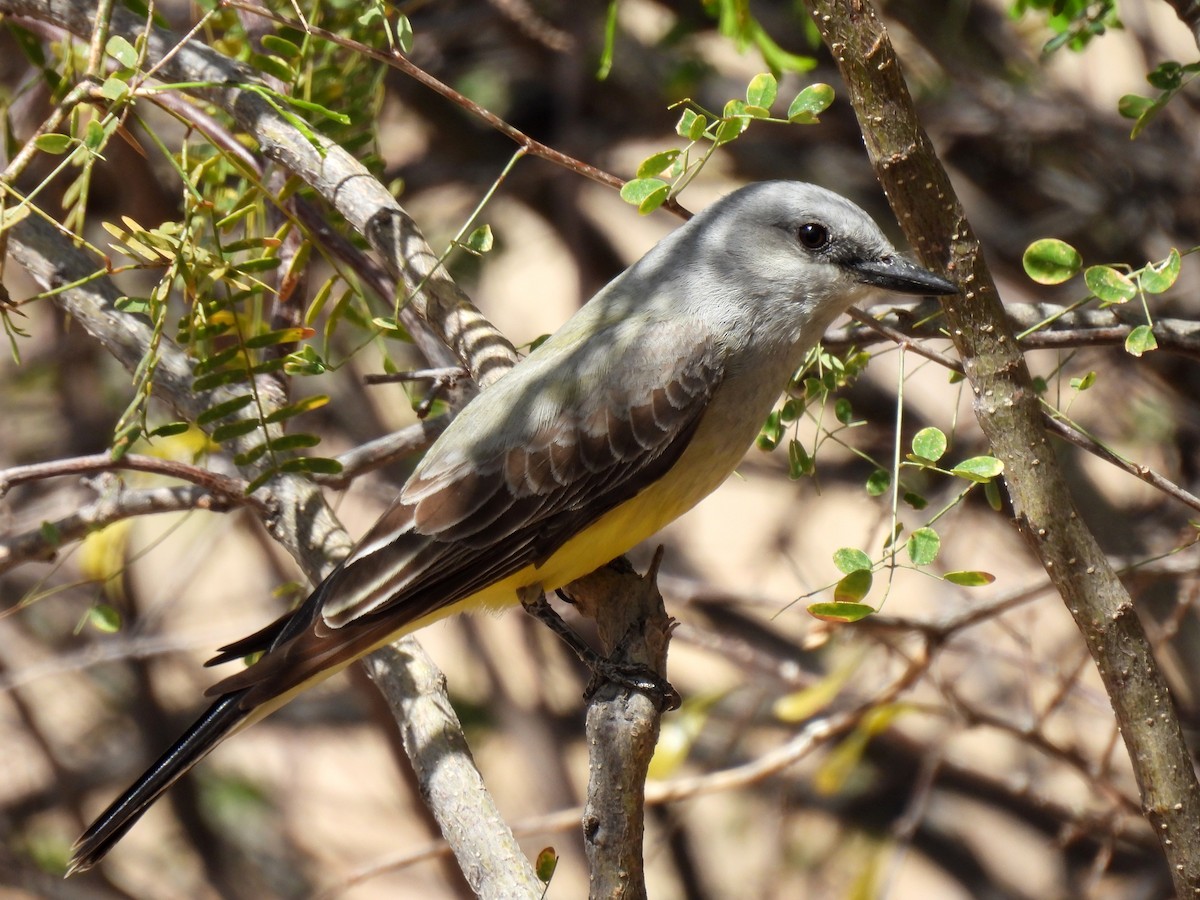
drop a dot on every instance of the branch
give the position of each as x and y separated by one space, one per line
1009 414
1046 326
44 542
487 852
232 488
622 724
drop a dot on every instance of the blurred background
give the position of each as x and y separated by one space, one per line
986 762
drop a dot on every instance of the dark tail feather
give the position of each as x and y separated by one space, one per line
208 731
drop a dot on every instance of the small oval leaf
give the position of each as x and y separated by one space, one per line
978 468
810 103
1051 261
647 194
1155 278
853 587
840 612
929 443
851 559
1140 340
878 482
969 579
762 90
657 164
104 618
1109 285
53 143
923 546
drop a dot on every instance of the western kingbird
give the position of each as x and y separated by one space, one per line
631 413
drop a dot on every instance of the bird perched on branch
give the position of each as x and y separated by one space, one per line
636 409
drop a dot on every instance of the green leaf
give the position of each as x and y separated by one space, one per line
657 164
481 240
730 129
771 433
610 42
288 442
915 500
691 125
122 51
1134 106
1154 278
56 144
969 579
233 430
843 411
790 411
170 429
1051 261
393 326
840 612
216 379
50 533
647 194
273 66
1082 384
281 336
96 133
1140 340
923 546
547 860
280 46
1167 76
299 407
1109 285
315 465
762 90
853 587
878 482
800 463
991 490
851 559
217 360
404 34
104 618
810 103
221 410
113 89
978 468
929 443
137 305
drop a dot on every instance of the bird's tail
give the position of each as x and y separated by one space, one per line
221 719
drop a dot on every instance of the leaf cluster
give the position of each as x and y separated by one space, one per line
665 174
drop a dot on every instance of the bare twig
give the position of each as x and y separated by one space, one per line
43 543
213 482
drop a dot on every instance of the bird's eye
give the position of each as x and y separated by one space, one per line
813 235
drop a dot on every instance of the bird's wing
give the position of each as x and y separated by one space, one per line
466 522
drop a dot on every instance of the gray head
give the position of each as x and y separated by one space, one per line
810 242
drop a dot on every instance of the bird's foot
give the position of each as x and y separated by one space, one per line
632 676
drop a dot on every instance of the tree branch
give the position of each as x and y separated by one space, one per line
1010 416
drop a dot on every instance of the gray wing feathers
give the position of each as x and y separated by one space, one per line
503 499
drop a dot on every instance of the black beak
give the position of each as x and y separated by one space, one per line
897 274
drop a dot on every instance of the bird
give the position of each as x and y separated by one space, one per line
639 406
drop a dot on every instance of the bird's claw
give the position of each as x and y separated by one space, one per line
633 677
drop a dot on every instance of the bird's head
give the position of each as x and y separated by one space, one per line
807 242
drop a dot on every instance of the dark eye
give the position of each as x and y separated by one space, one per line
813 235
